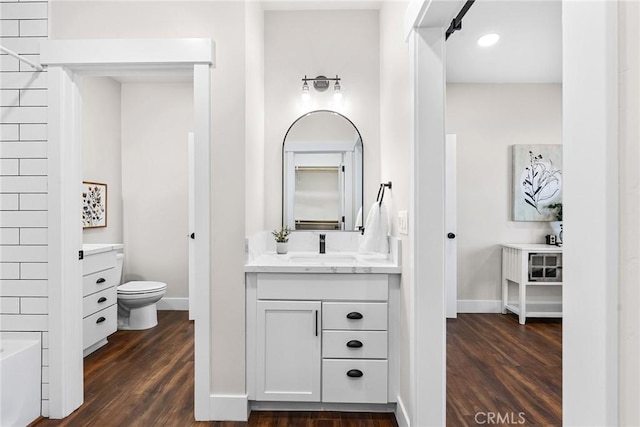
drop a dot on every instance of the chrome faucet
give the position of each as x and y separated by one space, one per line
323 238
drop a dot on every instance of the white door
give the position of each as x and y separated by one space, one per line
288 351
451 250
192 214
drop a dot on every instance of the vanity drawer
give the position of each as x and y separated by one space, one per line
98 262
335 286
99 281
354 344
98 301
352 315
99 325
354 381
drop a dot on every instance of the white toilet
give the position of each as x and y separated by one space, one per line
137 302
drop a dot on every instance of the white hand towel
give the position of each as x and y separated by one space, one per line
376 230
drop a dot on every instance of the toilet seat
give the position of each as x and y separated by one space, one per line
137 287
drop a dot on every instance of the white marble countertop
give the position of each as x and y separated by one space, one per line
96 248
313 262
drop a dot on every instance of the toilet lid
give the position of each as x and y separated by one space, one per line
141 286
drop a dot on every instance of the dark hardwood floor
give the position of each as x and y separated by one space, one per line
145 378
495 366
503 372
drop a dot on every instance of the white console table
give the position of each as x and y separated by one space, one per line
516 269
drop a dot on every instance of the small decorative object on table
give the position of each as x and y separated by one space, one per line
556 225
282 240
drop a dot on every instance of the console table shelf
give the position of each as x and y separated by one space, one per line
519 269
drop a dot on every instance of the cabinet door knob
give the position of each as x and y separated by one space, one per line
354 344
354 373
100 320
101 280
101 299
451 235
354 315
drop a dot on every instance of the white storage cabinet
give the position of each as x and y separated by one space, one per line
525 266
99 308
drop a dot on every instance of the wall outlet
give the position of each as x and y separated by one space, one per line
403 223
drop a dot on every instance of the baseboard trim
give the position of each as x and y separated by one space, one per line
479 306
229 407
179 304
401 414
322 406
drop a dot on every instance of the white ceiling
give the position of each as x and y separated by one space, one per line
529 49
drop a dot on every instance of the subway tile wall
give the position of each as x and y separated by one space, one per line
23 179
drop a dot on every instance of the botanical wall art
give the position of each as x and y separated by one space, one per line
537 181
94 205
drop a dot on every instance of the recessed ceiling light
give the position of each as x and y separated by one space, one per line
488 40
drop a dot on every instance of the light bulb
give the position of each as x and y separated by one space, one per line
306 96
337 93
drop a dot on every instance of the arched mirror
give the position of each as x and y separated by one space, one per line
322 173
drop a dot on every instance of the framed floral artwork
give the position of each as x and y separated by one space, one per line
94 204
537 181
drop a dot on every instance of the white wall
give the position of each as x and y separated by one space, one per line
254 54
394 154
224 23
156 120
488 119
101 153
629 89
312 43
23 178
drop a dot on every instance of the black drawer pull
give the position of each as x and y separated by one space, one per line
101 299
354 344
354 373
354 315
100 280
100 320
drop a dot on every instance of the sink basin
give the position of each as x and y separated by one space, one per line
323 259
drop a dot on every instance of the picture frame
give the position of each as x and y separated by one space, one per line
94 204
537 181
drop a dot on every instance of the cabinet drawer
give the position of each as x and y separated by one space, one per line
99 281
99 325
98 262
354 344
352 315
98 301
354 381
343 287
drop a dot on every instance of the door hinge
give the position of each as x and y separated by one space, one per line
80 255
342 168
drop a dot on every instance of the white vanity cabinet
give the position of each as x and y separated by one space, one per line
318 337
99 308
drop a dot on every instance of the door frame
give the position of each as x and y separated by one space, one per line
68 61
590 296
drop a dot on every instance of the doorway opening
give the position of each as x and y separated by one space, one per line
69 61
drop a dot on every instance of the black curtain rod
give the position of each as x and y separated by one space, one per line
456 23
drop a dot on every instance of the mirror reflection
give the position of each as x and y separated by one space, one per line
322 172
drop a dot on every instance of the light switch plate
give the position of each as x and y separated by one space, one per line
403 222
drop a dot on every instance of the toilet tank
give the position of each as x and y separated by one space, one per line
119 263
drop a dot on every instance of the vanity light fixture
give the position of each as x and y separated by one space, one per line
321 83
488 39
